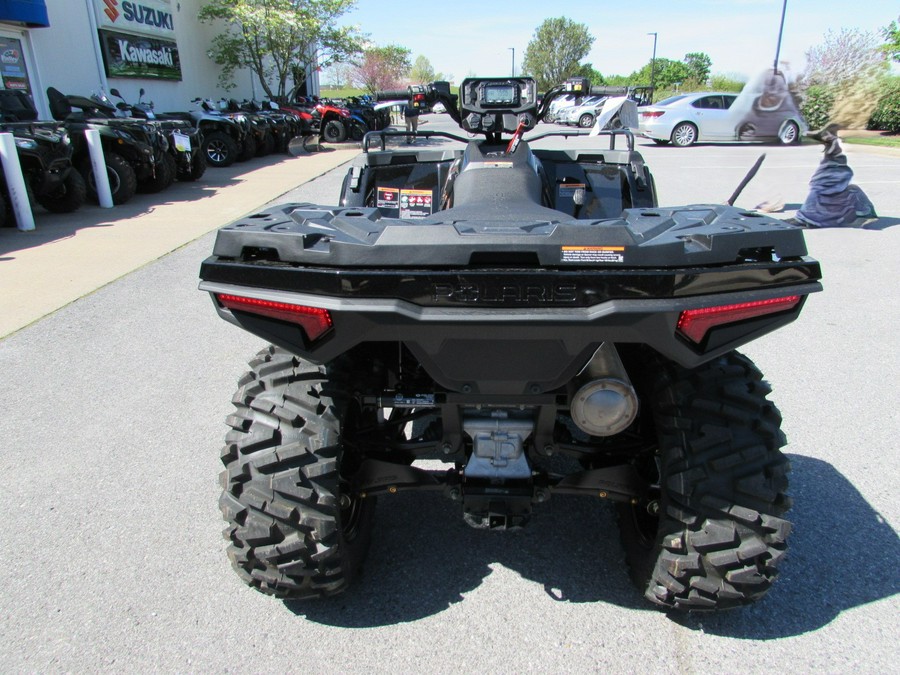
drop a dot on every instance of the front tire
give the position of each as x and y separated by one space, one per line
219 148
710 533
789 134
68 197
295 529
122 178
334 132
586 120
684 135
163 175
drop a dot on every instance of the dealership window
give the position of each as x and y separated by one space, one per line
13 62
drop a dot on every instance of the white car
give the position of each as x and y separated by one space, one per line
582 115
763 111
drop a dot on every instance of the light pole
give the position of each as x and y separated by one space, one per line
653 68
780 31
513 50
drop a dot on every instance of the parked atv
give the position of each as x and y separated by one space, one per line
184 138
45 156
530 316
132 151
222 138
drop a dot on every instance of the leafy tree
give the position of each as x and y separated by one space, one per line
886 115
277 39
726 82
891 47
668 73
844 58
422 70
698 64
382 68
587 70
555 51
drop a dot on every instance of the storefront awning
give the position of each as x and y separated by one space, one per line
29 12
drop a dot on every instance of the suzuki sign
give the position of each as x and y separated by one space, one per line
151 17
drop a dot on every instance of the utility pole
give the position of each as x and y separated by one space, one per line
780 31
653 67
513 50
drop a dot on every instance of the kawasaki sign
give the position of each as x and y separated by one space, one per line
139 56
152 17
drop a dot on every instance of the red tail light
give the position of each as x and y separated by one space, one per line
694 324
652 113
314 320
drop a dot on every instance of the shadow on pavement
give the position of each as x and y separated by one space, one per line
425 559
57 226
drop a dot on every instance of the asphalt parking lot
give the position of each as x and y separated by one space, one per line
111 534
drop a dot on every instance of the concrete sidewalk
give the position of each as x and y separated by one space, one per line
71 255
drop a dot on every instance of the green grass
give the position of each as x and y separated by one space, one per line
340 93
887 141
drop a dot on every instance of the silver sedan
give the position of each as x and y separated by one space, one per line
686 119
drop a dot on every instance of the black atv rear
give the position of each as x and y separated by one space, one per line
534 320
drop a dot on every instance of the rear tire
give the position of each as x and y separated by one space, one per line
710 533
586 120
295 530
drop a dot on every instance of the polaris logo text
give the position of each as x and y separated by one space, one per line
162 56
530 294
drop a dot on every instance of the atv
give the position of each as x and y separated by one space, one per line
531 317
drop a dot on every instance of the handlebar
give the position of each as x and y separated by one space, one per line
391 94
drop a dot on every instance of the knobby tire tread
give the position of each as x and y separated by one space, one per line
723 478
281 483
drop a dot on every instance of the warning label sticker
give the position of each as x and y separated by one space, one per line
415 203
593 254
387 198
568 189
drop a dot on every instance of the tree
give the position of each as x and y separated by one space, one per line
587 70
555 51
278 39
699 65
382 68
667 74
891 47
844 58
422 71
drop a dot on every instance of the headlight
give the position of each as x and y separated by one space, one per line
26 143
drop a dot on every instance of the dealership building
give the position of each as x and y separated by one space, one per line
83 46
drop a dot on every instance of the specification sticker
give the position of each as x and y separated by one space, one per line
593 254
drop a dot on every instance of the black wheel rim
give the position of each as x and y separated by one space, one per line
216 151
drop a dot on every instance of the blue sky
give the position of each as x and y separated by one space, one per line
473 37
